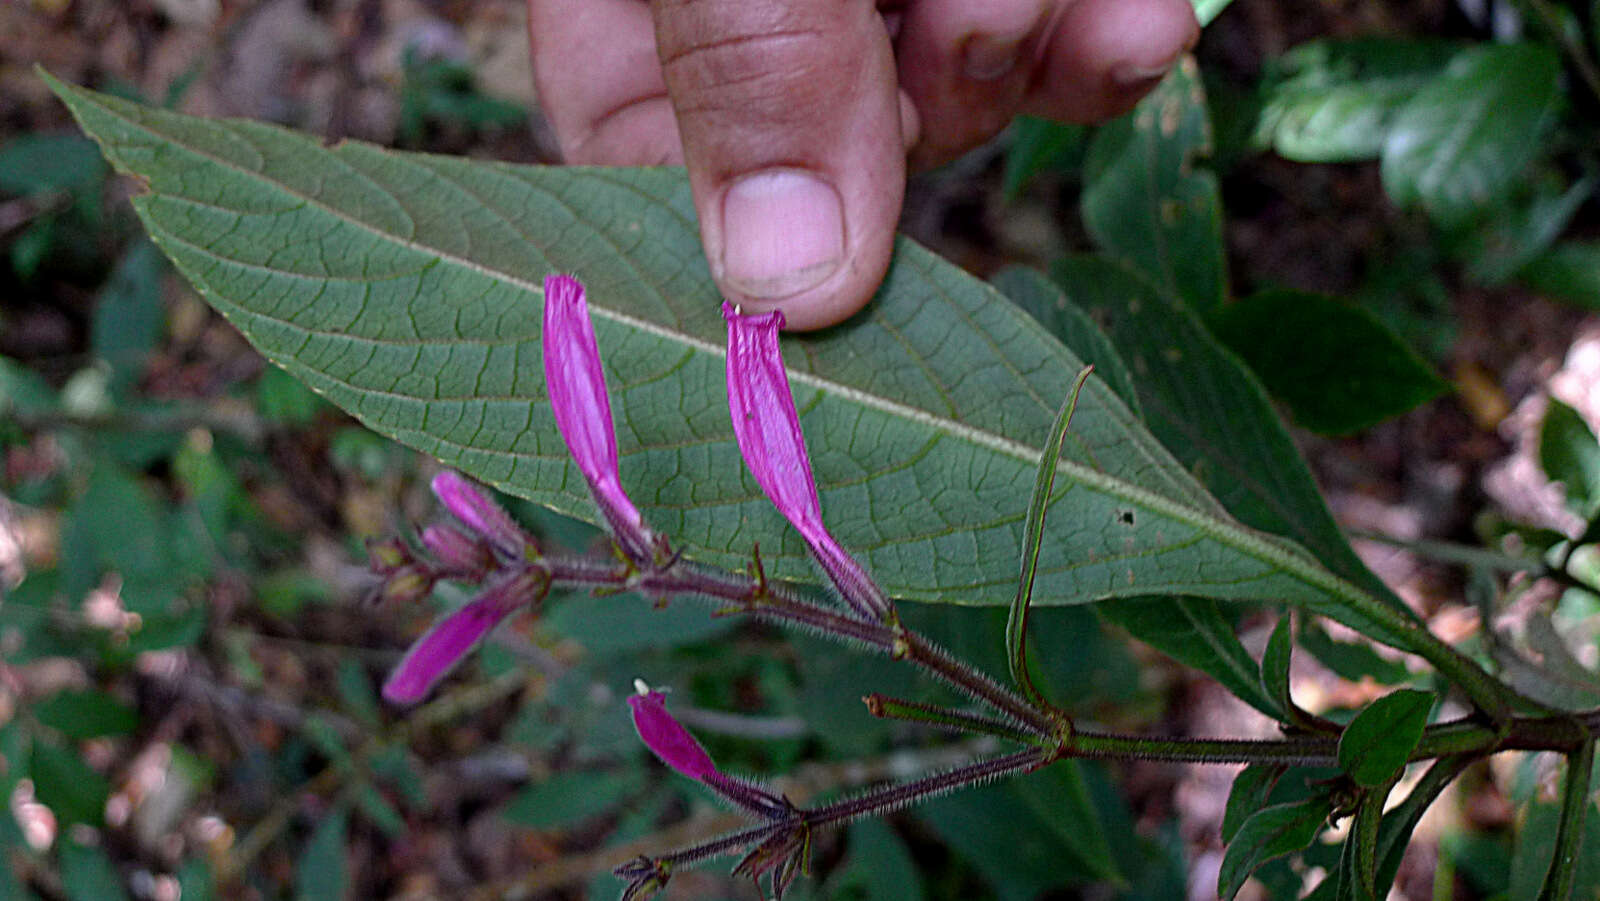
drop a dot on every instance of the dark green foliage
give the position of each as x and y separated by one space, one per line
1378 742
1267 834
1335 366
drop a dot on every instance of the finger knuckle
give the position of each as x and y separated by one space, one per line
761 71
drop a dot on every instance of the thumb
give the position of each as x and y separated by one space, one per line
790 116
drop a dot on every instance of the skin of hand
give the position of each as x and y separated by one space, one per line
798 119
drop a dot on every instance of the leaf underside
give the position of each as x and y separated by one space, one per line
405 288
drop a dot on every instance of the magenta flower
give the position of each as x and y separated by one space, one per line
439 649
768 430
583 414
674 746
483 516
666 737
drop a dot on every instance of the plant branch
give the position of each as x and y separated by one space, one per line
751 594
1455 553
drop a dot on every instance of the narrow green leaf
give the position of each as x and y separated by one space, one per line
1458 144
88 874
322 873
1268 834
86 714
405 288
324 735
1251 789
1538 826
1560 663
1043 299
378 809
1395 833
67 785
1523 228
1275 662
1361 846
1036 145
1197 633
1332 101
355 690
1569 271
1145 199
1335 365
1379 741
1575 804
1570 454
1350 660
1206 406
1032 536
128 314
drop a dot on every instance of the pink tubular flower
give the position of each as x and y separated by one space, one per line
674 746
768 430
666 737
583 412
439 649
483 516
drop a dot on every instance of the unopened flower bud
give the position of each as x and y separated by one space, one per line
388 555
406 585
483 516
461 554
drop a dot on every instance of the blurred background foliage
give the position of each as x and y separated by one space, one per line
190 647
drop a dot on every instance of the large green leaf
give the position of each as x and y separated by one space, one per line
1195 632
405 288
1036 145
1031 833
1206 406
1146 201
1034 292
88 874
1458 144
1337 367
1569 271
1332 101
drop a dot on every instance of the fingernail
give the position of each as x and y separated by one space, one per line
1132 75
986 58
782 232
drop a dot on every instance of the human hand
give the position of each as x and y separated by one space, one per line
797 118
